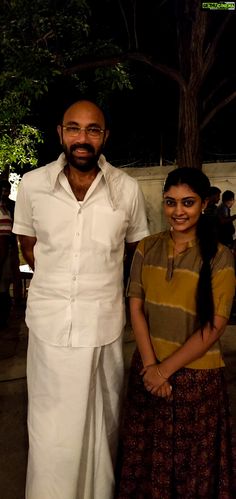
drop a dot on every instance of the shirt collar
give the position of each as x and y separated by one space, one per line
111 176
112 179
189 244
55 168
170 256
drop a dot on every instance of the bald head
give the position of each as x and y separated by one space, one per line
85 106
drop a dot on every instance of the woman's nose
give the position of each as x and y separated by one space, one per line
178 209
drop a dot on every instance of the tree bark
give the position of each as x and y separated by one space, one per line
188 147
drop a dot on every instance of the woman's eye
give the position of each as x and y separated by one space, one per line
169 202
188 203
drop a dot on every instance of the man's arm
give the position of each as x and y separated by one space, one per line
223 215
226 220
27 247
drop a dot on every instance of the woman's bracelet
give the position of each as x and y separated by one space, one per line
160 374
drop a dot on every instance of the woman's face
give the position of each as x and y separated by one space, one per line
182 208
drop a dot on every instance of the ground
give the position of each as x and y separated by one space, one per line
13 397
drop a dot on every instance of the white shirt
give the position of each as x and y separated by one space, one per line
76 293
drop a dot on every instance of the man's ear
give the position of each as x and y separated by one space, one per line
106 135
59 131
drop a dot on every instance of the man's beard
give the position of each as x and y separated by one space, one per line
81 163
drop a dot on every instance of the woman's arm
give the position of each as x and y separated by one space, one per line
27 247
197 345
141 333
152 380
194 348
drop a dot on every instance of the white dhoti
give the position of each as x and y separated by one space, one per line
73 420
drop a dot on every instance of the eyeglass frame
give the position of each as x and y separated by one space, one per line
83 129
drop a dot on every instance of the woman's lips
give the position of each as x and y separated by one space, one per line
179 220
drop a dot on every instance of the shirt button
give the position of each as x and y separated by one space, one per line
74 278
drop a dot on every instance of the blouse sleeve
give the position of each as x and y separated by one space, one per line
223 282
135 286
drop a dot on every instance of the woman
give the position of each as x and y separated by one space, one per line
177 434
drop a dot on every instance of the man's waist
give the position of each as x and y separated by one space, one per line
69 286
44 275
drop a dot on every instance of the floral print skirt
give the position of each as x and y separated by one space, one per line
179 449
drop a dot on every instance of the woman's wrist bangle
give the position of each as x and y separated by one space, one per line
160 374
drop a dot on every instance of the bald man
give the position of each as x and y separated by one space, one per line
74 218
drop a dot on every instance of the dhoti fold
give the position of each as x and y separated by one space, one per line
73 419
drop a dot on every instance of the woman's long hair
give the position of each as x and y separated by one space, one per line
207 239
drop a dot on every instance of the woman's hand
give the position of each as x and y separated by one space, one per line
154 383
165 391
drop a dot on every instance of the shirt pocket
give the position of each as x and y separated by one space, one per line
108 226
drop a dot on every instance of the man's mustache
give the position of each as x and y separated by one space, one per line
86 147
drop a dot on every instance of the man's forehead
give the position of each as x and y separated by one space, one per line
83 110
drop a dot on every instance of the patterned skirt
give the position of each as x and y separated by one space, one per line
179 449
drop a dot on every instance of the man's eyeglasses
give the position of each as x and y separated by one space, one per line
91 131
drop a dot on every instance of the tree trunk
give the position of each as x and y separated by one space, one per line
188 148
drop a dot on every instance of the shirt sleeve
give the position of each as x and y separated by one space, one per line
138 227
23 219
135 287
223 282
